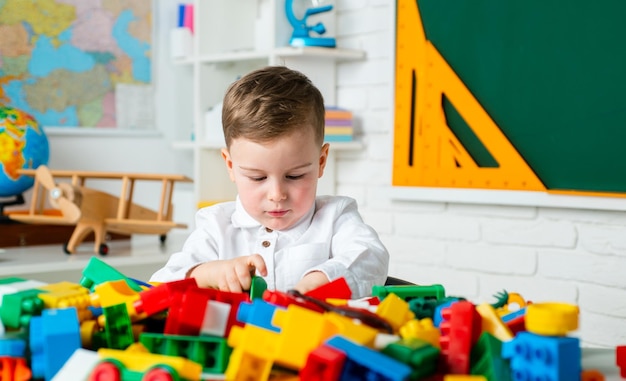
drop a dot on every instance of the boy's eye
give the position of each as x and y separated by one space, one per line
258 178
295 177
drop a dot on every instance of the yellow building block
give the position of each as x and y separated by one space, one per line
137 358
347 327
302 330
247 366
87 330
65 295
463 377
551 319
492 322
252 338
116 292
395 311
423 329
337 302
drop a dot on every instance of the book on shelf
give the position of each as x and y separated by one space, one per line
338 125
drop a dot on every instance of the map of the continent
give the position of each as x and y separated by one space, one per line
70 62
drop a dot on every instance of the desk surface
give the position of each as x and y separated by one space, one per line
602 360
138 257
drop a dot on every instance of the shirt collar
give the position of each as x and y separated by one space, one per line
241 219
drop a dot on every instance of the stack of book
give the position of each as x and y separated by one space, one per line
339 127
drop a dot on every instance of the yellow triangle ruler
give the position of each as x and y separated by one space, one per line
426 151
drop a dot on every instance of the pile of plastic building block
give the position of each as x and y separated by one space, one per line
110 327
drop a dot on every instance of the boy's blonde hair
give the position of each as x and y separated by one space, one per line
271 102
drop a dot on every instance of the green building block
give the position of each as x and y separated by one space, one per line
418 354
257 288
407 293
11 280
425 307
98 271
18 308
98 340
486 359
211 352
118 329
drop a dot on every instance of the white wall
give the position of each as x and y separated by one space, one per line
545 254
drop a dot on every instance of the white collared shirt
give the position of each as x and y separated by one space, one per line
331 238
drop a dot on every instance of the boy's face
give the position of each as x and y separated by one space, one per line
277 180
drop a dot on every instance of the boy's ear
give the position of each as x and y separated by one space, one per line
229 163
323 159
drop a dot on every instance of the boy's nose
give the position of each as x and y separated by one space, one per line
276 191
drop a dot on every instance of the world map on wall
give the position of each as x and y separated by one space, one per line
76 63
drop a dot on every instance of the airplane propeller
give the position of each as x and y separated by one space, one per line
63 196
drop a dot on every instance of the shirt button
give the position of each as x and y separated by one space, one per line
268 230
266 243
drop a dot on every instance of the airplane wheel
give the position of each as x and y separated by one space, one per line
162 238
104 249
66 250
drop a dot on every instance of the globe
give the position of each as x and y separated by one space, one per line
23 144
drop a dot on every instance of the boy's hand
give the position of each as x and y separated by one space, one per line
311 281
232 275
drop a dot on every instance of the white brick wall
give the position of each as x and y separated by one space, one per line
474 251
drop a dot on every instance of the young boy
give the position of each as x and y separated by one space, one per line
273 120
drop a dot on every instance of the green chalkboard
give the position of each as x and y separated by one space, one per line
551 74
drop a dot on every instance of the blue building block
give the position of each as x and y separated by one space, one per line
12 347
546 358
437 318
54 336
95 311
363 363
513 315
259 313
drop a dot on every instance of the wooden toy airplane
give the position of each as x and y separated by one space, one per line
94 210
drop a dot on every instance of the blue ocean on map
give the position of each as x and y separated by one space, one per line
133 47
46 58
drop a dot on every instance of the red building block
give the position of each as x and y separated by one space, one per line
337 289
620 359
591 375
323 364
188 307
186 314
283 299
159 298
460 329
232 298
14 369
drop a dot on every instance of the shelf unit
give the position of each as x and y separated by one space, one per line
232 38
